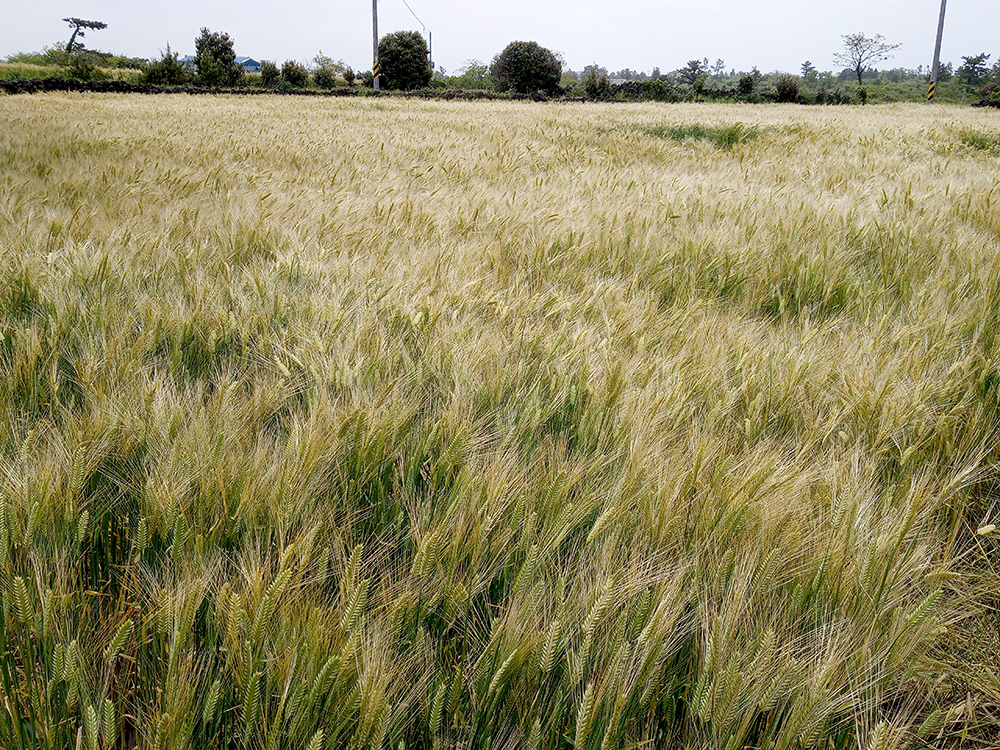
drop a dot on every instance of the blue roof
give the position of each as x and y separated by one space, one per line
240 60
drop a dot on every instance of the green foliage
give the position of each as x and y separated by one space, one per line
979 140
294 74
325 62
327 70
167 71
694 74
215 60
721 136
270 76
325 78
974 69
747 84
403 60
660 89
52 55
526 68
83 68
786 88
472 76
349 75
597 86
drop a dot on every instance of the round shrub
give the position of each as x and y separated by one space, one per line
403 61
527 67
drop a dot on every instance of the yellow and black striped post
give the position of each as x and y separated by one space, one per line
936 66
375 69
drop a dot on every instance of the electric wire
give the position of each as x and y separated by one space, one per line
424 27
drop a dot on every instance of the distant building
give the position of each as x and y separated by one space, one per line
248 64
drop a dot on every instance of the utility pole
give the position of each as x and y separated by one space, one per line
375 67
937 56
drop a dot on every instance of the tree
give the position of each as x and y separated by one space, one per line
860 51
474 74
403 59
807 68
597 86
270 76
527 67
294 74
78 24
973 68
215 60
167 71
694 74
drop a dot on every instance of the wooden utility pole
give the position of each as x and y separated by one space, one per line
937 56
375 67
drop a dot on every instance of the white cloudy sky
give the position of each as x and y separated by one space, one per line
639 34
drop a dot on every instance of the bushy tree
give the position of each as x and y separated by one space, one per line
746 86
324 78
474 74
787 88
294 74
269 74
215 60
597 86
527 67
327 70
167 71
694 74
402 58
861 51
973 69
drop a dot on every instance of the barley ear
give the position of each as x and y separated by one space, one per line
316 743
110 724
208 712
122 635
22 600
584 718
81 527
90 724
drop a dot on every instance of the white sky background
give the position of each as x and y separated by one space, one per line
638 34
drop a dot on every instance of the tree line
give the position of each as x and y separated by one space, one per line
526 67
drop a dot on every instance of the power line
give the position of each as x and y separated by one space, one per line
422 25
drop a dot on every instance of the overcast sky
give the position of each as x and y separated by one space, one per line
638 34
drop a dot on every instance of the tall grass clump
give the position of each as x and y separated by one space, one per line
559 433
720 136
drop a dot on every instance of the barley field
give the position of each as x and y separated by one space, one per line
399 424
